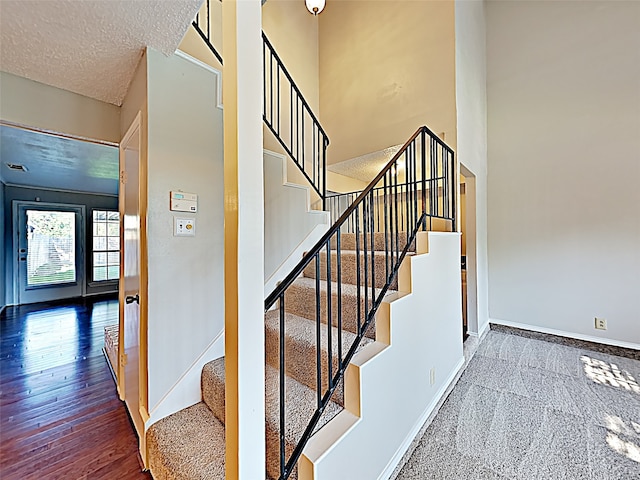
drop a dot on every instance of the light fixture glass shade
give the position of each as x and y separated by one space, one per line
315 6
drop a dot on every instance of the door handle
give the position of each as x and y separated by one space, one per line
130 299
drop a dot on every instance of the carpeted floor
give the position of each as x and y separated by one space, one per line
531 409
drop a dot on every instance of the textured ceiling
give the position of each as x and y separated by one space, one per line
57 162
365 167
88 47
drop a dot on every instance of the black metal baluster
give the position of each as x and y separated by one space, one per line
208 21
365 227
339 293
264 80
318 346
329 315
282 386
395 206
373 253
386 242
278 97
271 89
357 238
424 178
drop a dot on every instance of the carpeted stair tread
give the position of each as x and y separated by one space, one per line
348 241
300 402
188 445
300 300
301 349
349 267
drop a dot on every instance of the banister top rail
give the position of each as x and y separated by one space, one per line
289 279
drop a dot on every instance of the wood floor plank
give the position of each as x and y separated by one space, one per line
60 416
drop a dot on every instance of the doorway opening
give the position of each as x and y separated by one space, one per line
468 252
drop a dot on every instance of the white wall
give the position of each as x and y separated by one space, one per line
288 220
186 297
563 84
34 104
471 106
388 391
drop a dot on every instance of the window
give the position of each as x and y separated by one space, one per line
51 240
106 245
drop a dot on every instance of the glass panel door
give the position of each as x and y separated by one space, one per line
50 251
51 247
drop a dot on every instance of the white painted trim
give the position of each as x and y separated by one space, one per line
286 183
54 133
483 329
397 458
59 190
292 260
185 396
561 333
208 67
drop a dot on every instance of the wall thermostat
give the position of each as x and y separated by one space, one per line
184 202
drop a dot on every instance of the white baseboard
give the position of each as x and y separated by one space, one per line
415 430
561 333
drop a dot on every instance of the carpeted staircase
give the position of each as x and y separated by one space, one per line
190 443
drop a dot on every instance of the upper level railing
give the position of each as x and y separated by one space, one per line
290 118
202 25
285 111
416 185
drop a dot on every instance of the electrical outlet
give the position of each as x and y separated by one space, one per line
432 376
601 323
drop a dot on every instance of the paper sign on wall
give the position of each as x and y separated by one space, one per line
184 202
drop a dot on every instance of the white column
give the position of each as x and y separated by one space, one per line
244 239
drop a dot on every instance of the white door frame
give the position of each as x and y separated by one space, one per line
472 249
135 133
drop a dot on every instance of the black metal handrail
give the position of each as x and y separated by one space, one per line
290 118
285 111
420 181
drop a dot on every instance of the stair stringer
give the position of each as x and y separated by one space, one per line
388 395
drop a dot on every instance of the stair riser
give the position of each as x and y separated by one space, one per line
213 389
348 242
301 358
349 269
301 301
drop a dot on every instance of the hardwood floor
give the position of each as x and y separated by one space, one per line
60 416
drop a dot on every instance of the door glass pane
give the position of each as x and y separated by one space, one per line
51 247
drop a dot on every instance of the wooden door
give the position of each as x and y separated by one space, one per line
133 375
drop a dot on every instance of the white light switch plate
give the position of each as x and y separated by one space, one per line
184 227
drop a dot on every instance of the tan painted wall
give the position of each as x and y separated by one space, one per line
293 32
34 104
135 100
386 67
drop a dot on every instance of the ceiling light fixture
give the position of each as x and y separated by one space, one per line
315 6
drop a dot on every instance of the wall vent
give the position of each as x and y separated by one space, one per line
17 167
